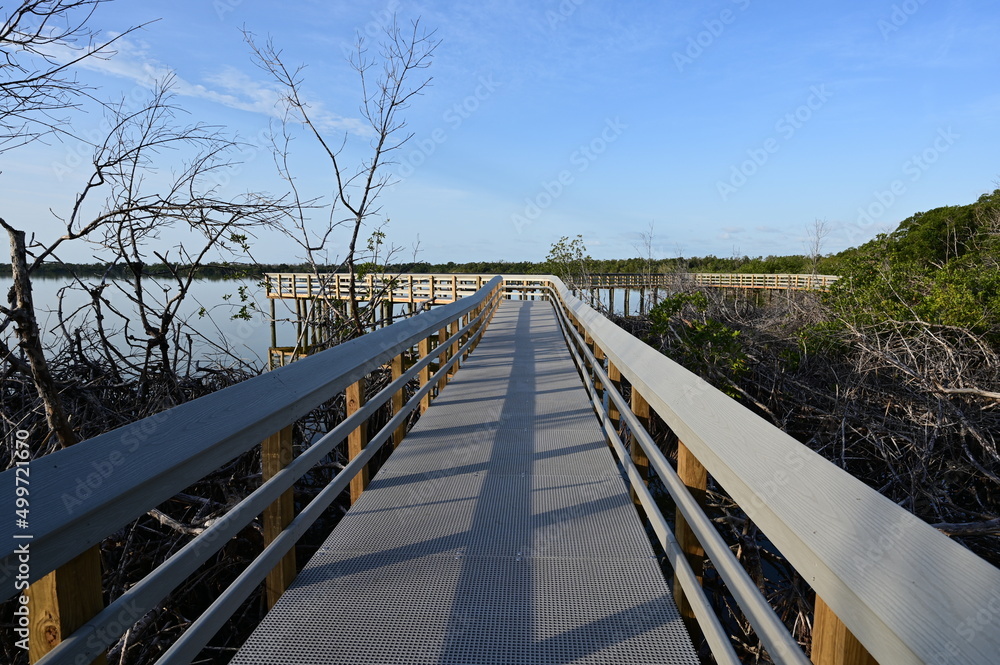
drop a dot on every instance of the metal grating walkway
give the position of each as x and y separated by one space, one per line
500 531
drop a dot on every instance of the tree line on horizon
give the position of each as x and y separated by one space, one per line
791 264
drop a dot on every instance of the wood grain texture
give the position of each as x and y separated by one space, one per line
358 439
905 590
833 643
640 407
694 475
398 400
276 453
64 600
425 373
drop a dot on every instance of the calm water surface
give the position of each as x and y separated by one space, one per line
248 340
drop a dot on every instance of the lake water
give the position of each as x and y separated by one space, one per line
248 340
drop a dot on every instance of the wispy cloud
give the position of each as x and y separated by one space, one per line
228 87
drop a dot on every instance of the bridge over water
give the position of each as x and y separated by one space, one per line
503 527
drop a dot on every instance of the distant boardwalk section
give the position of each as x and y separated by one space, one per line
441 288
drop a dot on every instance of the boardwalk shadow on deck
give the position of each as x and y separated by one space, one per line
499 532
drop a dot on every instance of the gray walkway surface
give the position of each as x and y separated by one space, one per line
500 531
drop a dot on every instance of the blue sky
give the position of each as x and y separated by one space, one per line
730 126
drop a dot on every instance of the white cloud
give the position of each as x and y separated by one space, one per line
229 87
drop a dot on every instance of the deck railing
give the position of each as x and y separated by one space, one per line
417 288
890 588
888 584
129 471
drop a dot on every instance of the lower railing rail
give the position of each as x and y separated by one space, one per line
890 588
456 328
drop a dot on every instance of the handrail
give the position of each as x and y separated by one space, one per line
907 592
140 465
715 635
772 632
447 287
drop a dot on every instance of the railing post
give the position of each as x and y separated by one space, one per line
358 439
443 356
695 477
833 643
398 398
452 331
616 384
640 407
425 373
472 331
276 454
599 357
62 601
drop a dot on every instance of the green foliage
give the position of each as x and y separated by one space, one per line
661 313
706 346
568 259
938 267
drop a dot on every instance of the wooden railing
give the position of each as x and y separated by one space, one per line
890 588
82 494
735 280
418 288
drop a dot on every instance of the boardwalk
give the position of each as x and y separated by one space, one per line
500 531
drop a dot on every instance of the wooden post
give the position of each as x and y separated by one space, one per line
358 439
443 357
274 325
598 385
627 312
298 322
642 301
695 477
611 301
452 331
275 455
599 357
64 600
589 343
425 373
616 384
640 407
472 331
397 401
833 643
